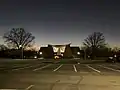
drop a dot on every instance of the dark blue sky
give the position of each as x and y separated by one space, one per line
62 21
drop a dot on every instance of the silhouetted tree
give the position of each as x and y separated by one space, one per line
94 42
104 52
30 53
18 37
115 49
3 47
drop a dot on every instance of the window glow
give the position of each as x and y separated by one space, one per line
55 49
62 49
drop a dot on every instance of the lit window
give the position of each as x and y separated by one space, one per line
62 49
55 49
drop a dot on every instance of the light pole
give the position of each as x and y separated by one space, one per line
20 46
85 53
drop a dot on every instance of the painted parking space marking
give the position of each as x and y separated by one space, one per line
93 69
75 69
116 65
29 87
24 67
20 65
58 67
42 67
14 67
109 68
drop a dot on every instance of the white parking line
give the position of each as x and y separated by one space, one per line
74 68
14 67
42 67
24 68
109 68
8 89
116 65
20 66
29 87
93 69
58 67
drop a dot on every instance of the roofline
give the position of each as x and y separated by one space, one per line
59 44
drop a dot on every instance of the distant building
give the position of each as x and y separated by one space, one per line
60 51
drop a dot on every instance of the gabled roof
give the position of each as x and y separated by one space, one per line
59 45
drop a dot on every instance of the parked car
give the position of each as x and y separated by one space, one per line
111 59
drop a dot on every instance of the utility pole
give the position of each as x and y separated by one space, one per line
22 52
20 46
85 54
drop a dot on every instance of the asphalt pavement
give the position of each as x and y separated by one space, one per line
39 75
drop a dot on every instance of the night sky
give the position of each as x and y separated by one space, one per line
62 21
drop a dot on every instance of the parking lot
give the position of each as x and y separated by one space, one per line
37 75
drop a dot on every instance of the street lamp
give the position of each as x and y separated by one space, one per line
20 46
85 53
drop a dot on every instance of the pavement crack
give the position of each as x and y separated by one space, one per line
80 80
77 84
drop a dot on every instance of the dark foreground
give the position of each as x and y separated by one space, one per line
73 75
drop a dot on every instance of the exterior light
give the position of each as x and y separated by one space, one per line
115 55
78 53
35 56
20 46
40 53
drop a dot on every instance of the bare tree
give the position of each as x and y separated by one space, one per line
94 42
18 37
